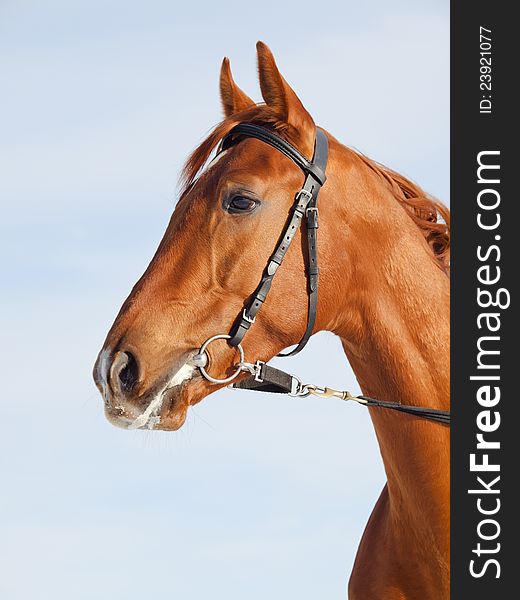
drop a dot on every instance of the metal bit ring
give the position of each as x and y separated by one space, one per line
240 368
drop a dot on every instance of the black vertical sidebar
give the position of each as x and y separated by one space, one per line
485 359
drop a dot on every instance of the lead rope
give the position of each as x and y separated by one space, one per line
264 378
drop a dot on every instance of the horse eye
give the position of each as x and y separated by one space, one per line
240 204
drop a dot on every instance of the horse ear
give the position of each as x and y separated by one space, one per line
233 98
279 96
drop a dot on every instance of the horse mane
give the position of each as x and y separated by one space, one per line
431 216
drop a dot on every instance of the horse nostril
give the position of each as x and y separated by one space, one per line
129 374
124 372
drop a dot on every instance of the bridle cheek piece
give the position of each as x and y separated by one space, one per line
262 376
304 210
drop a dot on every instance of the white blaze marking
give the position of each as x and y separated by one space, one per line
183 374
150 418
149 414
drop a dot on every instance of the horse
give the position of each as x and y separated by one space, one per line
384 290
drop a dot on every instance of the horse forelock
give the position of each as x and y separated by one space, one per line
260 114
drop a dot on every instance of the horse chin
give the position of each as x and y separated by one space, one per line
181 398
166 411
177 402
172 418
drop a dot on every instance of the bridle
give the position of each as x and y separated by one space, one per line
263 377
304 209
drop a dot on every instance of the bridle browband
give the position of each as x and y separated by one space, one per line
304 209
264 377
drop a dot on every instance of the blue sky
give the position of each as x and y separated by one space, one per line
255 497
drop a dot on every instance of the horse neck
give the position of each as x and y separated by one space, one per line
403 357
395 332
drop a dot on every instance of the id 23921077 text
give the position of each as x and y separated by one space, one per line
485 106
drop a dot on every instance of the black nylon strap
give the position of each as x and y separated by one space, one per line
305 208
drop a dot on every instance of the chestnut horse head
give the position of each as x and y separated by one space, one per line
219 239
